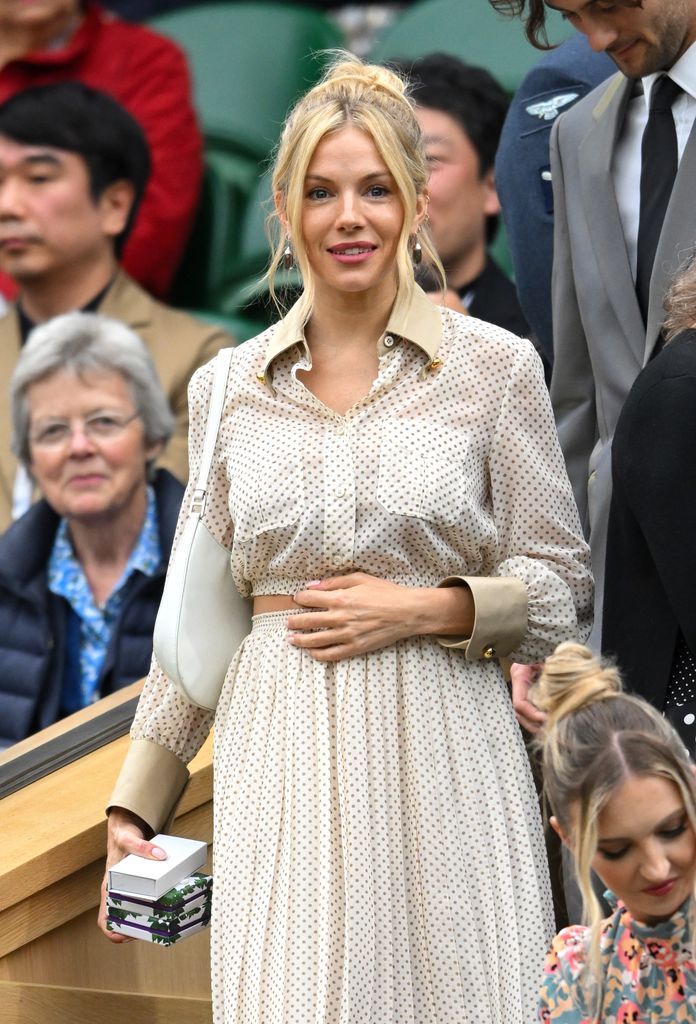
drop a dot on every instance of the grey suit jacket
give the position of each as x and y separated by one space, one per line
600 340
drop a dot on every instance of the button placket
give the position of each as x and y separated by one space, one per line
339 496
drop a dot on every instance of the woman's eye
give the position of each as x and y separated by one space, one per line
377 191
613 854
317 193
674 833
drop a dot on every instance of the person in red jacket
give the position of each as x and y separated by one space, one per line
46 41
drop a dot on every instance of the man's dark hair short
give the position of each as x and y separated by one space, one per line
470 95
82 120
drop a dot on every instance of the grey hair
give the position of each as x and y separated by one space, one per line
84 343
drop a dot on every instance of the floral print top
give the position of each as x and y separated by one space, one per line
649 972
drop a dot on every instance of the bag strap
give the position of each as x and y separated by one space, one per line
217 402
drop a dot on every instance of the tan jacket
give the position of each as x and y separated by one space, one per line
178 344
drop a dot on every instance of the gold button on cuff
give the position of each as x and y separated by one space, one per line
261 377
488 653
434 364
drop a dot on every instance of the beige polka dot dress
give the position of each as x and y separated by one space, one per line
378 848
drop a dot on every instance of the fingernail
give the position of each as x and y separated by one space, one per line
158 853
290 637
313 583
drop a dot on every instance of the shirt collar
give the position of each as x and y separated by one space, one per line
413 318
66 576
683 72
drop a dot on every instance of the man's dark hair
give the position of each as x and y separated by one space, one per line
533 13
78 119
470 96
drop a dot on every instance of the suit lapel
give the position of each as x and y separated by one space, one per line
677 240
125 294
595 154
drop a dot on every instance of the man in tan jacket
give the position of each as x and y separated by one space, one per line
73 167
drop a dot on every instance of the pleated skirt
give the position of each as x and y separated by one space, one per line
379 856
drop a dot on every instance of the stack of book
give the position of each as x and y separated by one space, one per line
160 901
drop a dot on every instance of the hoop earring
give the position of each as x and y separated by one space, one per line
417 253
288 256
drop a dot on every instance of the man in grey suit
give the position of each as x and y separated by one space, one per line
603 335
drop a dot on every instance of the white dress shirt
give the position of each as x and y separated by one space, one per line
627 158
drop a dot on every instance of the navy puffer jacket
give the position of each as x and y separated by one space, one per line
33 621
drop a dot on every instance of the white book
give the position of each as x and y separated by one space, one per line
138 876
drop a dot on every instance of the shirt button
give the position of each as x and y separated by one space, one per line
488 653
340 492
388 341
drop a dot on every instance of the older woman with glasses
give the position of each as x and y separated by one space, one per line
81 574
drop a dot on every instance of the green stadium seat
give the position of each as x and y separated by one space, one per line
240 327
211 252
249 62
470 30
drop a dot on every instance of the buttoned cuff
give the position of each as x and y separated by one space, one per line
150 783
500 616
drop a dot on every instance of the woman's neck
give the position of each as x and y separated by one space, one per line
17 40
348 323
103 544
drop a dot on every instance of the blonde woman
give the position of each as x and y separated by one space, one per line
388 480
621 786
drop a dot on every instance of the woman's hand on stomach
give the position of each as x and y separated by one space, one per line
358 613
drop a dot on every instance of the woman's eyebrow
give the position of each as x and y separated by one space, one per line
672 819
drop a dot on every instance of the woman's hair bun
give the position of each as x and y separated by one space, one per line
349 72
572 678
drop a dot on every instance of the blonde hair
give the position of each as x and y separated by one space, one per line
595 737
680 301
373 99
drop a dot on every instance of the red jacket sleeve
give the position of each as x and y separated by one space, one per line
157 92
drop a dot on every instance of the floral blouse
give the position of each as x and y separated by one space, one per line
649 972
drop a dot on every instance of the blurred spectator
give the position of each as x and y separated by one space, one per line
140 10
523 169
55 40
461 110
81 574
73 166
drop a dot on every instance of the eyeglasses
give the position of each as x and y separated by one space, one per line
99 427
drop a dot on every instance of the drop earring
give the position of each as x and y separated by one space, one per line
417 253
288 256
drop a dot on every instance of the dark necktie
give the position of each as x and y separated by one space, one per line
659 162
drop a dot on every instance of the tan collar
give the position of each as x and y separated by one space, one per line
413 317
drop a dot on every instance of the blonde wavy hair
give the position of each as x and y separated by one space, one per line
375 100
594 738
680 301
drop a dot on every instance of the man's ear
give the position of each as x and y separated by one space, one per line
491 202
115 204
558 829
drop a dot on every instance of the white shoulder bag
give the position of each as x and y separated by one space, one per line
202 618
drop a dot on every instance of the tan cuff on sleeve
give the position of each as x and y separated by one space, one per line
150 783
500 616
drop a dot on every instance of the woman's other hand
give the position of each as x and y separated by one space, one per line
358 613
528 714
125 834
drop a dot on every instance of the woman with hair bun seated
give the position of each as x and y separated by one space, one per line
82 572
621 789
388 478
